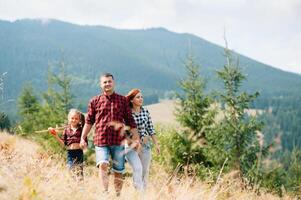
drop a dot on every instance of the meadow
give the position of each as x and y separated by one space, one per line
29 172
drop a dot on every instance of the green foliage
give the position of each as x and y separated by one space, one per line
53 109
58 99
4 121
29 110
193 111
274 180
292 166
182 154
237 133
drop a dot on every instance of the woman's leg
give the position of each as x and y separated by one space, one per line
135 162
145 157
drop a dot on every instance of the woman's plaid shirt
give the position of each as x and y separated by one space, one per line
144 123
103 109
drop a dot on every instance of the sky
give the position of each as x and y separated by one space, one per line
268 31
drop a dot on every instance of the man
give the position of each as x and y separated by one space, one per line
102 110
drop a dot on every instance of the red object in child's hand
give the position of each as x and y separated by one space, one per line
52 131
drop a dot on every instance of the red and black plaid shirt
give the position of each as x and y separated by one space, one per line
103 109
72 136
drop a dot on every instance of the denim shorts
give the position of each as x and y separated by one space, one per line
75 157
117 154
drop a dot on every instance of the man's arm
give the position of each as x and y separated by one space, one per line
86 131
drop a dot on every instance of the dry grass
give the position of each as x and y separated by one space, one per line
29 173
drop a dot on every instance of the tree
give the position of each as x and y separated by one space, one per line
29 108
194 113
4 121
238 132
58 98
53 109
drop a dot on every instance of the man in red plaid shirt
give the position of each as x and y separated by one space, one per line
102 110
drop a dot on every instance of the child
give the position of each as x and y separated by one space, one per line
71 139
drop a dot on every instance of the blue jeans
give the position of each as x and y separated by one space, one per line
140 164
117 153
75 159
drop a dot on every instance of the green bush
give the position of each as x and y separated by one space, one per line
179 150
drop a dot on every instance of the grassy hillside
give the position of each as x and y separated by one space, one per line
28 172
163 112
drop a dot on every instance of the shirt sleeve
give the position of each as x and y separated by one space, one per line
149 124
90 118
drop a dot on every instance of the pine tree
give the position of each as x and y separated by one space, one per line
238 132
29 108
4 121
194 113
53 109
58 98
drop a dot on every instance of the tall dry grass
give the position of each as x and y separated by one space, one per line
28 172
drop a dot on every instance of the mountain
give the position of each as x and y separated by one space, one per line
150 59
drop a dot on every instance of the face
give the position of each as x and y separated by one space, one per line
107 84
74 120
137 100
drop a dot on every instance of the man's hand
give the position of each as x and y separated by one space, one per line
136 145
83 143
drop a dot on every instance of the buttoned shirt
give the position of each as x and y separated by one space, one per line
71 136
144 122
103 109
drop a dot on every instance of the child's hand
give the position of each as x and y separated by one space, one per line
52 131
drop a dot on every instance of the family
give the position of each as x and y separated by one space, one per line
123 132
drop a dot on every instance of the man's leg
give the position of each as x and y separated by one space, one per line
118 158
118 182
104 176
102 162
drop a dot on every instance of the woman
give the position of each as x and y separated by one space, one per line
140 160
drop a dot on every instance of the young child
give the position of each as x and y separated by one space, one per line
71 138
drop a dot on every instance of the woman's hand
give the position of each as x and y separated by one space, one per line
157 146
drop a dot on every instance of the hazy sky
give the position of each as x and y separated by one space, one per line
266 30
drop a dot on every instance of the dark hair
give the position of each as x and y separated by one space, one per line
107 75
